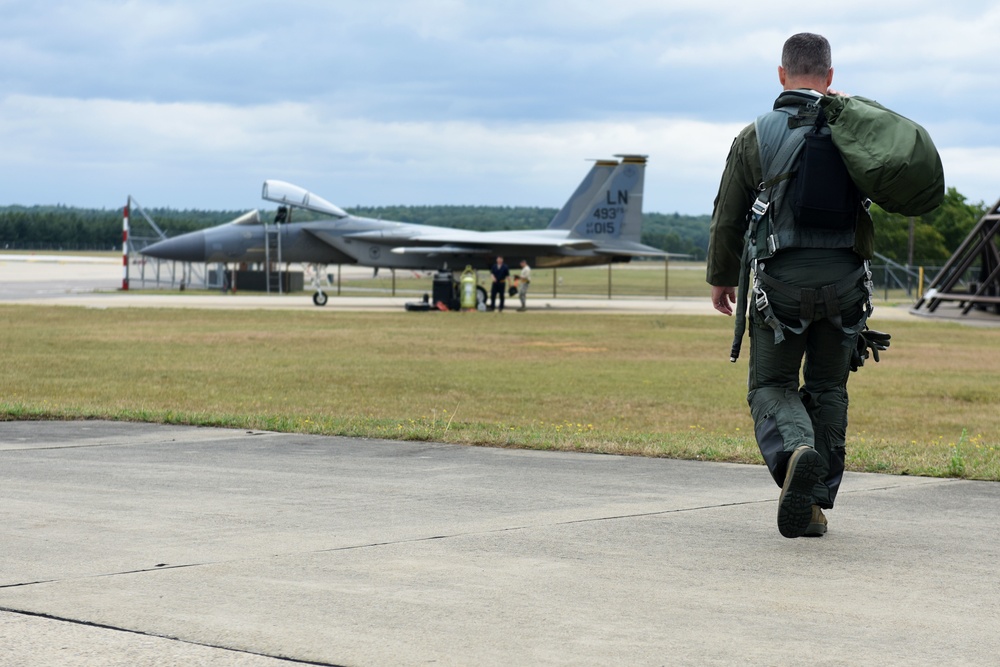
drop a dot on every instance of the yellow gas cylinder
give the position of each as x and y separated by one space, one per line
468 289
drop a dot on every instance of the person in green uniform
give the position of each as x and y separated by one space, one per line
807 279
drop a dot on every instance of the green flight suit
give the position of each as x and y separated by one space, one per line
787 415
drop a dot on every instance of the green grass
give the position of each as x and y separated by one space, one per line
628 384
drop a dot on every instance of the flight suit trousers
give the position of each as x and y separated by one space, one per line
786 415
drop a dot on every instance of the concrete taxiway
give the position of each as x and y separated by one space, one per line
136 544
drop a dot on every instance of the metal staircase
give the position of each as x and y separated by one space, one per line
949 285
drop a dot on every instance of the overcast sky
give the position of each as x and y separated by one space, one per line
193 104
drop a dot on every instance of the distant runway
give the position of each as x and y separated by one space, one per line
95 282
39 276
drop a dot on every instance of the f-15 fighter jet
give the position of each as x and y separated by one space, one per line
599 224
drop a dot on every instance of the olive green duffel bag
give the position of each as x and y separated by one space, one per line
890 158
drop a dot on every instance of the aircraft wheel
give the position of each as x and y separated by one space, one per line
319 298
481 295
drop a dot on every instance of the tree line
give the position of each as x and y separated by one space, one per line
70 228
933 239
929 239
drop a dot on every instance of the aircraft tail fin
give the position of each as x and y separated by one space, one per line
579 201
614 212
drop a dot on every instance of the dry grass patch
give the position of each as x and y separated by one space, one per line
627 384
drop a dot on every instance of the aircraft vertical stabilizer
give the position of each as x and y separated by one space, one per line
579 202
615 211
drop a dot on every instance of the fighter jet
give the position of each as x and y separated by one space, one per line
601 223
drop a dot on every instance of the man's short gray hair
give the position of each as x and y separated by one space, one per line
806 54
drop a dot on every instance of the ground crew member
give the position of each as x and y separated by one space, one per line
522 285
500 274
807 291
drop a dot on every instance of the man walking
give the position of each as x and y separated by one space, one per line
500 274
806 272
522 285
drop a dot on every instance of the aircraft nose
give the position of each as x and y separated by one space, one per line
184 248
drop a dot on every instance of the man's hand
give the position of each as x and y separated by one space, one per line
723 299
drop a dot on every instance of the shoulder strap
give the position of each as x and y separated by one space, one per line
776 167
777 159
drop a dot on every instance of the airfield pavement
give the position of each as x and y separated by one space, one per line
150 545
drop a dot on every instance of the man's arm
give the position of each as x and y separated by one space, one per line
729 219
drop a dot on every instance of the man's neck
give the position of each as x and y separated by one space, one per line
807 83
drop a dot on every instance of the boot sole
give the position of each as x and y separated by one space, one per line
795 502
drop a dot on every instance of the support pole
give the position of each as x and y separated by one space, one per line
666 277
125 246
267 257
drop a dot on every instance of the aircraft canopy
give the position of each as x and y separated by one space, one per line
292 195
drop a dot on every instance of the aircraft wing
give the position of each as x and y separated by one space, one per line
532 241
420 240
412 240
434 251
536 241
633 249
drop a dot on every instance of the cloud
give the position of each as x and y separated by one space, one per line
973 172
213 155
448 101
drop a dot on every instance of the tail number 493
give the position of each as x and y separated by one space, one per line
604 221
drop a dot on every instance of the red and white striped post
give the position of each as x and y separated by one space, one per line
125 248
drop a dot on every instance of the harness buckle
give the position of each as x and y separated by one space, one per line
869 287
759 208
772 244
760 300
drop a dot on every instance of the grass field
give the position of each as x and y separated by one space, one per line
629 384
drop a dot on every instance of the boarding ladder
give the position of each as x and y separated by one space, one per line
272 256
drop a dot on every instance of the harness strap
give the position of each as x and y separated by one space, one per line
807 299
741 304
794 292
807 306
833 305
